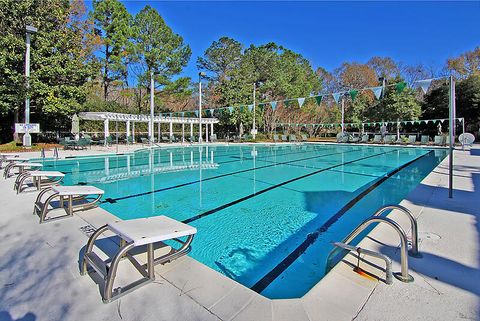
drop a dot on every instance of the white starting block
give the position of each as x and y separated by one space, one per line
39 179
75 196
22 166
142 232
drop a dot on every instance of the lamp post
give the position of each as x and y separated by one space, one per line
152 106
27 139
200 75
254 130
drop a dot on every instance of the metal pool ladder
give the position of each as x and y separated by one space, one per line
404 252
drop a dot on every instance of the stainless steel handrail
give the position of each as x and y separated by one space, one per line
413 223
404 276
359 250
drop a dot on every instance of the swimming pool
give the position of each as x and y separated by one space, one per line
265 214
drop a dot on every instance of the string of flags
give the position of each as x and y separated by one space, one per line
377 91
358 125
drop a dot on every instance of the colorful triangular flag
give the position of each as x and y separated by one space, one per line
399 87
424 84
353 94
230 109
250 108
318 99
377 91
273 104
336 96
286 103
211 111
300 101
196 113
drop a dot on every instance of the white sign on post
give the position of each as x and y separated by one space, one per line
22 128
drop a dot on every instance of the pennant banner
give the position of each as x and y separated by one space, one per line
377 91
336 96
250 108
273 104
286 103
353 94
300 101
319 100
399 87
196 113
230 109
424 84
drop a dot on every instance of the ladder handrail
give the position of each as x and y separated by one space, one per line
404 276
359 250
413 223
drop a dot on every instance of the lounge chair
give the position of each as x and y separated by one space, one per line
364 139
144 141
401 140
139 235
292 138
76 199
213 138
438 141
424 139
353 139
284 138
276 138
377 139
38 179
412 139
22 167
129 140
165 139
389 139
304 138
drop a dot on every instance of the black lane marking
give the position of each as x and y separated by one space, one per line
212 211
113 200
265 281
219 156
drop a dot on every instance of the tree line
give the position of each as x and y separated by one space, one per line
102 60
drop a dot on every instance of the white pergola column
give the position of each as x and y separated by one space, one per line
106 131
133 132
150 130
171 129
211 129
206 133
128 129
183 132
191 132
159 131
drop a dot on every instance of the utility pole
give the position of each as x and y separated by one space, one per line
200 75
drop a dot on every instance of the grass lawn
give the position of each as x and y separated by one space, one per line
12 147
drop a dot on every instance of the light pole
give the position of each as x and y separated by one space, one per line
27 139
254 131
152 106
200 75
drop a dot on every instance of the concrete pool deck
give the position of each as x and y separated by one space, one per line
41 281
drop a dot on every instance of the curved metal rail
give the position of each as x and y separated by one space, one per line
413 223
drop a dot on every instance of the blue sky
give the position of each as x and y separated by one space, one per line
328 33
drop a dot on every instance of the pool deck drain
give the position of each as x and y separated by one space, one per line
41 281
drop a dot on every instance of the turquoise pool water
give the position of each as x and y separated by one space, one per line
265 214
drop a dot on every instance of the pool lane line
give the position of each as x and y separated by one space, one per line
114 200
266 280
220 163
219 208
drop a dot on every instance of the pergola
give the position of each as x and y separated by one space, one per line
106 117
